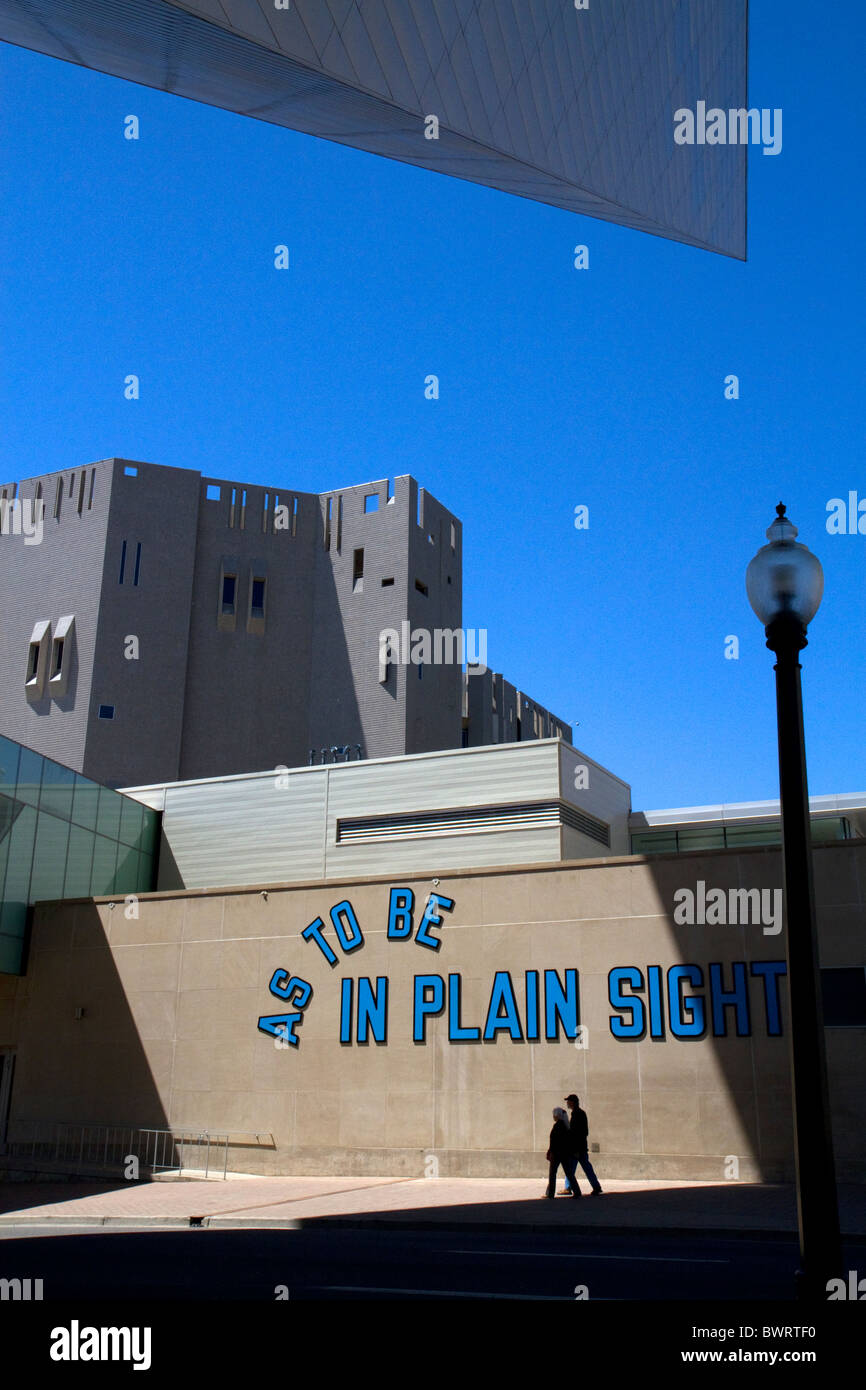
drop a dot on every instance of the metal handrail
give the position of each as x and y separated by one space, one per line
111 1146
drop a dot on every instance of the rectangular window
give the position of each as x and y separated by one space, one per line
422 588
213 492
228 597
130 471
105 712
122 562
358 572
386 582
37 660
371 502
257 599
58 671
137 564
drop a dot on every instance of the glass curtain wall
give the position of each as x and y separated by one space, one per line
63 836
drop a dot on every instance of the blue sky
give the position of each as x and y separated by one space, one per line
558 387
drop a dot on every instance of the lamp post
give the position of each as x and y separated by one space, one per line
785 583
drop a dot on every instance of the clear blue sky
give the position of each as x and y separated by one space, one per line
558 387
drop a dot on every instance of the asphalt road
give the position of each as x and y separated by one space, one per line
322 1263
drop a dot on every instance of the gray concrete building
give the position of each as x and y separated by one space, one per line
159 625
561 101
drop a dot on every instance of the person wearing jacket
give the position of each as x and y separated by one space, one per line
560 1152
578 1136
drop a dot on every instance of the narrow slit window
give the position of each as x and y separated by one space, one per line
358 572
243 508
58 498
37 659
295 516
122 562
266 507
137 564
92 484
81 486
58 666
339 524
233 506
257 599
230 583
328 510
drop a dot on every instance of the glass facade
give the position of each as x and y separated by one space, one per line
63 836
669 840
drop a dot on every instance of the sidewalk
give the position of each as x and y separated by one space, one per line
485 1203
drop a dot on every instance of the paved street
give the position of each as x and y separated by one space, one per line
487 1203
321 1262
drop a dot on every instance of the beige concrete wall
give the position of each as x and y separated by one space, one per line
172 1001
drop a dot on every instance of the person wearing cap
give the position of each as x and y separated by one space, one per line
578 1138
560 1152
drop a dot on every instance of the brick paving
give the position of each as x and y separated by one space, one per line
490 1202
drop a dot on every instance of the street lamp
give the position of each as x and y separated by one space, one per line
785 583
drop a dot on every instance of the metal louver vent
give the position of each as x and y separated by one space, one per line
527 815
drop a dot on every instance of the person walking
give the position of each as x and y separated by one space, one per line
560 1152
578 1140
